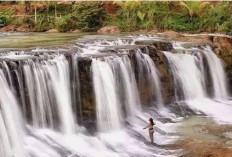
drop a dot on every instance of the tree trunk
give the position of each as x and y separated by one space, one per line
55 11
35 14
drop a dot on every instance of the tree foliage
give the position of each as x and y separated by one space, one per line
3 20
88 17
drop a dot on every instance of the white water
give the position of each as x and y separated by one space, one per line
217 74
107 102
51 89
132 100
148 73
59 74
11 124
188 80
115 89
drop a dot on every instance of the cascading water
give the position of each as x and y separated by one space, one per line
43 97
116 79
190 81
217 74
51 91
59 75
11 124
186 78
108 106
149 74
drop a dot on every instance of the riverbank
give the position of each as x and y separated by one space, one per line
96 64
183 16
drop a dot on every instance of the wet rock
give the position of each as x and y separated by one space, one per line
160 45
109 29
162 65
87 91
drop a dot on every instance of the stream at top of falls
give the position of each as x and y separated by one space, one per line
44 113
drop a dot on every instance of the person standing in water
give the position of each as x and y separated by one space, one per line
150 129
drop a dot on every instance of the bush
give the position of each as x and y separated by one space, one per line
88 17
217 17
127 17
3 20
65 23
43 23
141 15
180 23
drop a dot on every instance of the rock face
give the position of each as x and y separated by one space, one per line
87 93
223 48
109 29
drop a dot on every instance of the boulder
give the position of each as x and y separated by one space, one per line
75 31
109 29
22 29
171 34
160 45
7 28
52 31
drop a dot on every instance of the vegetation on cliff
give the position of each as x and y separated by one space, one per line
127 15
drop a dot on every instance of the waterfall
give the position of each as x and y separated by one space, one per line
11 122
48 87
148 74
115 89
60 80
131 97
51 91
108 108
193 76
188 80
217 74
194 67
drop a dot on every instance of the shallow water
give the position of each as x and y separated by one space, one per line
28 40
203 128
